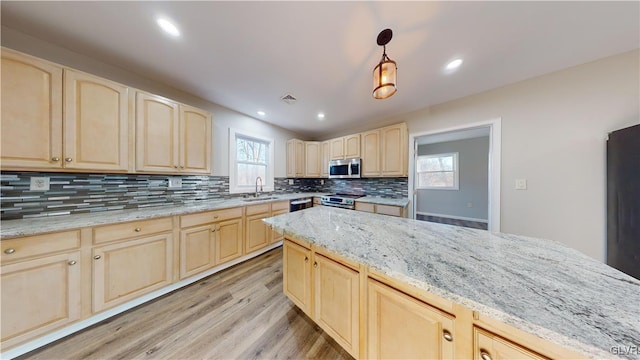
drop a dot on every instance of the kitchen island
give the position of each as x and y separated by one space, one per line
534 286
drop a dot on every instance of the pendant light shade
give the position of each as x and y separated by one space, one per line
385 73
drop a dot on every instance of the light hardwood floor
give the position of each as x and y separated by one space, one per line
239 313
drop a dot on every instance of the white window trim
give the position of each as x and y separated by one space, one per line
268 182
456 172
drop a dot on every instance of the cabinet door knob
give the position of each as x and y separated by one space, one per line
68 159
447 335
55 158
315 264
97 257
175 166
213 229
215 217
306 259
484 355
181 167
138 229
72 262
10 251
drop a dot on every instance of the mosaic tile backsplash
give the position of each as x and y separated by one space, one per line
72 193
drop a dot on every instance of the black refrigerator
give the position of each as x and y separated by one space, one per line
623 200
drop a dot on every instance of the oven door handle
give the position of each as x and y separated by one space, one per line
298 202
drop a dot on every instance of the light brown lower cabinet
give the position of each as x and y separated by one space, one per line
126 270
257 233
296 275
197 250
277 236
402 327
38 296
489 346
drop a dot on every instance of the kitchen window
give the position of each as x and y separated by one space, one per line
250 157
437 171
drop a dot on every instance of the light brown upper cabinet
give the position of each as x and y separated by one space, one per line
171 138
93 135
96 123
313 155
394 143
324 158
295 158
345 147
370 153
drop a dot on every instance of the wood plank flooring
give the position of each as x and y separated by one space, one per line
239 313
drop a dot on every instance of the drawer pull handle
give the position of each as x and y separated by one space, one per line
72 262
138 230
484 355
447 335
213 229
215 217
10 251
315 264
55 158
175 166
68 159
306 259
97 257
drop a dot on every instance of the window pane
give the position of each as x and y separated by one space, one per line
436 179
247 174
241 147
251 151
441 163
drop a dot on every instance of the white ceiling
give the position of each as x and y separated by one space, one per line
246 55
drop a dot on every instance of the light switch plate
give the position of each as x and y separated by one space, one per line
521 184
290 181
175 183
39 184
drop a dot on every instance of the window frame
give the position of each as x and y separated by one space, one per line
456 171
268 181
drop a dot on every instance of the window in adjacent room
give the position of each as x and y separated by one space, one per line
437 171
250 157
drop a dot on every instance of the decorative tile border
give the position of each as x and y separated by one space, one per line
73 193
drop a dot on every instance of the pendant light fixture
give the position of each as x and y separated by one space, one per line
385 74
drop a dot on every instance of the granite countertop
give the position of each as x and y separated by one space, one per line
33 226
402 202
538 286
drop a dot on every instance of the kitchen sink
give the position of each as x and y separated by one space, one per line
260 198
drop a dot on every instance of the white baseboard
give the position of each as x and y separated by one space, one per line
452 217
59 334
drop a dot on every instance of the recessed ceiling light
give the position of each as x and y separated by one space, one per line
321 116
262 113
168 27
454 64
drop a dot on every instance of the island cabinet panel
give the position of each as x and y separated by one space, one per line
126 270
38 296
229 240
296 273
96 123
31 113
402 327
337 301
488 346
197 250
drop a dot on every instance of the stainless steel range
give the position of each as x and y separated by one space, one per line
346 201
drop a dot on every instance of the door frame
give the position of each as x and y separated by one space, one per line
495 144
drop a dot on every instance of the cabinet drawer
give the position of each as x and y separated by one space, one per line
209 217
316 201
258 209
366 207
280 205
108 233
389 210
20 248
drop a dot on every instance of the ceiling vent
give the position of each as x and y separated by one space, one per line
289 99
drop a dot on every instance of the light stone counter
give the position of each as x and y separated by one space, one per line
402 202
538 286
33 226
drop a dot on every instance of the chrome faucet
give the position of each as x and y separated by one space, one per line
258 178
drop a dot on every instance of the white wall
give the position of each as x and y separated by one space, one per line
554 129
223 118
473 180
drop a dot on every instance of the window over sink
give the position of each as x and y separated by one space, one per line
250 157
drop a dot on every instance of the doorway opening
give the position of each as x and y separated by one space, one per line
454 175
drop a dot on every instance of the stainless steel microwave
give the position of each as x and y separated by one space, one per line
344 169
